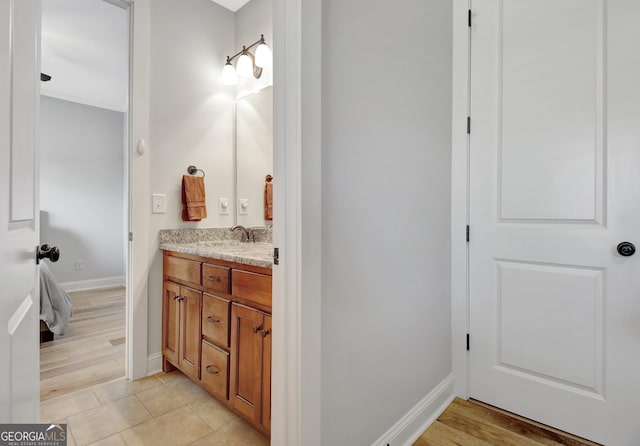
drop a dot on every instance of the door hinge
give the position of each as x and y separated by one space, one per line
468 232
276 256
131 236
469 18
468 342
468 125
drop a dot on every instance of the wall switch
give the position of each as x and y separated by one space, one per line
78 265
223 206
159 203
243 206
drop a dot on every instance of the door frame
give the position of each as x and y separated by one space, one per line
460 315
296 374
135 301
296 354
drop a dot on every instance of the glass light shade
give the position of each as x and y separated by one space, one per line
245 66
229 75
263 56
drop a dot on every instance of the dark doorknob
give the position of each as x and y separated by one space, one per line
48 252
626 249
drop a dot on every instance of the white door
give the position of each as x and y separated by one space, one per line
554 188
19 301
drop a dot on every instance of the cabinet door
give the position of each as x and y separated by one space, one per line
189 358
266 374
170 321
245 392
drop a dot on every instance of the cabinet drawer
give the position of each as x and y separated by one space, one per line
215 370
251 286
215 279
215 319
182 270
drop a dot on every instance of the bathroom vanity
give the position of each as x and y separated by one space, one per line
216 321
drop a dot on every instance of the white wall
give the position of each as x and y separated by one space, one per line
192 121
386 174
82 189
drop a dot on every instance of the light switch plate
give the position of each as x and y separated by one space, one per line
223 206
243 206
159 203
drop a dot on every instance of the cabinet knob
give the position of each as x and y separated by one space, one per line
213 279
257 328
266 333
210 371
212 320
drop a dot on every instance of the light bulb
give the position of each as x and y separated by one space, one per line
263 56
229 75
245 66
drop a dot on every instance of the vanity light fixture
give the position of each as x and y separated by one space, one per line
248 65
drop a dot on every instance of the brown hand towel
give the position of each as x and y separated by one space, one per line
194 203
268 198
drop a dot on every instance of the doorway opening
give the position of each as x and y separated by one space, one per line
84 192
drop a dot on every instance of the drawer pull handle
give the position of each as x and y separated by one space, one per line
266 333
214 279
212 320
257 328
210 371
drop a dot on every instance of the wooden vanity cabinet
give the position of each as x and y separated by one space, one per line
217 330
181 328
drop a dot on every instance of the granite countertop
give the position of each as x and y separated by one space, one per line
218 244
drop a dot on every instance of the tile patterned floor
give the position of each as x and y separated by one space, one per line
164 409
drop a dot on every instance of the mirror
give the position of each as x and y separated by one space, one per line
254 156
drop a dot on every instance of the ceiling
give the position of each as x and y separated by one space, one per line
233 5
85 50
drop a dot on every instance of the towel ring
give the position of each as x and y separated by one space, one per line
192 170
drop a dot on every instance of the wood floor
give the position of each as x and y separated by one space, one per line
91 351
470 423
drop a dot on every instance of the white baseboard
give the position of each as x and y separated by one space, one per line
409 428
154 364
91 284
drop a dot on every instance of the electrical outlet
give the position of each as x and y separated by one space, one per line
223 206
158 203
79 265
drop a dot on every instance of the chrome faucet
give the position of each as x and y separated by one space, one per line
247 235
